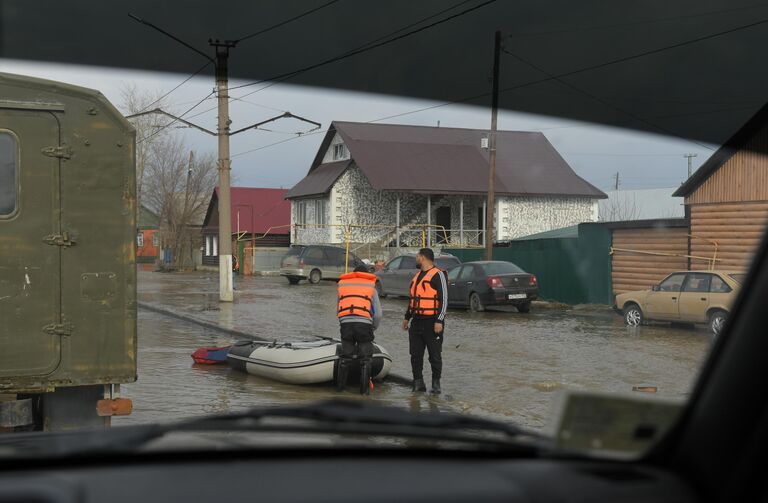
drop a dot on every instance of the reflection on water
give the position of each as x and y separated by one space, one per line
500 364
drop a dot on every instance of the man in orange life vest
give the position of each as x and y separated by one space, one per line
359 312
425 319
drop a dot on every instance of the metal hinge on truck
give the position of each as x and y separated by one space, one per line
63 239
60 151
59 329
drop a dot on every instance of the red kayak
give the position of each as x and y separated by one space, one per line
211 356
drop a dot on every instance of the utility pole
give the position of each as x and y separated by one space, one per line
489 214
690 163
616 184
222 133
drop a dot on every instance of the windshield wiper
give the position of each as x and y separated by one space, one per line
347 416
341 417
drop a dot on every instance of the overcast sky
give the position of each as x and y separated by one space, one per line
595 152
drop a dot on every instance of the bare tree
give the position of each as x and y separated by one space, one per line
619 207
179 184
149 128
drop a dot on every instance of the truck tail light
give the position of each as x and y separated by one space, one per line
534 281
494 282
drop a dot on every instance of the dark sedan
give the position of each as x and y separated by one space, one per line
477 285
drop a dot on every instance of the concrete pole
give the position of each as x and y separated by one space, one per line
492 150
429 221
485 212
397 221
461 221
225 212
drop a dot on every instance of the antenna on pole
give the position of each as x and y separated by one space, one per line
690 163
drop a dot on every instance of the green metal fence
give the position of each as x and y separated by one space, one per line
570 270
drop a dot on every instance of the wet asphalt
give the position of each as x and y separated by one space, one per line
499 364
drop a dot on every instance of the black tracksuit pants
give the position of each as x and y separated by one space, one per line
356 339
421 336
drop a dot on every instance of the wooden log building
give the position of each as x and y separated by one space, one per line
726 199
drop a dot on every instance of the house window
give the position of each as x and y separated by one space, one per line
301 213
320 212
140 239
340 152
215 246
208 245
7 174
155 240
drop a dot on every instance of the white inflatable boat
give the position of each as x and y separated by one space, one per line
299 362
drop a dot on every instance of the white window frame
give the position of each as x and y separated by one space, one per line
140 239
301 213
340 152
155 239
320 212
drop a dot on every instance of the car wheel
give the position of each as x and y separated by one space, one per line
475 303
315 276
293 281
717 322
380 290
524 308
633 315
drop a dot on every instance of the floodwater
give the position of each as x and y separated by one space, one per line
504 365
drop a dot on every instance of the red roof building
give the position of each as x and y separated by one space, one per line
260 217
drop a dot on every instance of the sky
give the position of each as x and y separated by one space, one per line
279 158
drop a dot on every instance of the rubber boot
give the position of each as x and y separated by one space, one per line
365 377
342 375
418 385
436 386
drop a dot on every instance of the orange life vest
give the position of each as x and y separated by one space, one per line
356 290
423 296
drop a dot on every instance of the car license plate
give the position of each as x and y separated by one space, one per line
512 296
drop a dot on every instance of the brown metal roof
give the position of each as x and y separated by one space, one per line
319 180
725 152
450 160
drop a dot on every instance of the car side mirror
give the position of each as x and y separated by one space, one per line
655 288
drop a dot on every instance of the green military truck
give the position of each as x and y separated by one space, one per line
67 256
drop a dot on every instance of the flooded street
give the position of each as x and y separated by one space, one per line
500 364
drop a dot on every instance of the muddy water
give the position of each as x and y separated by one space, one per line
499 364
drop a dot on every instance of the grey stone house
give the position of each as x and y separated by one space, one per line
396 185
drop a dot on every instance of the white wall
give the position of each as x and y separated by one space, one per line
522 216
328 157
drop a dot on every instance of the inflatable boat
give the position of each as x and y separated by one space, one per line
299 362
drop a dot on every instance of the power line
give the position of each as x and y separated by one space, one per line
283 23
162 128
637 23
174 37
604 102
648 53
383 37
553 77
368 47
161 98
275 80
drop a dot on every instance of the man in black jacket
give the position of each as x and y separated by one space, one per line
425 319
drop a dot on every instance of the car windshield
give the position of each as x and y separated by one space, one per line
180 215
501 268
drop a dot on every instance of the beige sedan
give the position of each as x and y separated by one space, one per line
684 297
